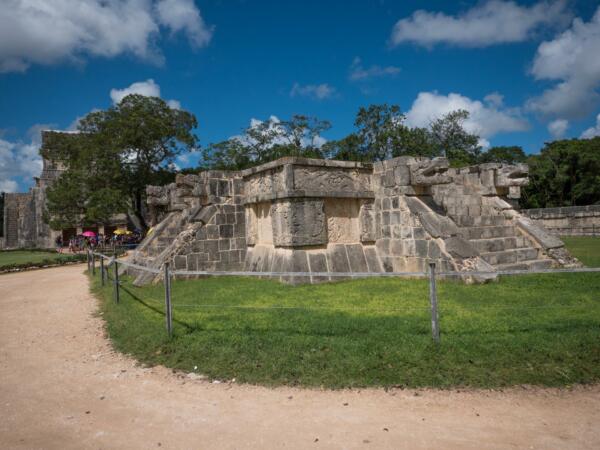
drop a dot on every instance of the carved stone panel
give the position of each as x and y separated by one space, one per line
298 222
329 180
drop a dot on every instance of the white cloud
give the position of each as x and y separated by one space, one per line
147 88
20 160
50 31
571 59
485 119
183 15
358 72
558 128
592 131
317 91
488 23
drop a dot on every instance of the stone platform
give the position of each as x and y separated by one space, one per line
316 216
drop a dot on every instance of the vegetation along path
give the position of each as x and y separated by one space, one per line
64 387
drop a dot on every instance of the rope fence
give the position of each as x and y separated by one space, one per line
107 261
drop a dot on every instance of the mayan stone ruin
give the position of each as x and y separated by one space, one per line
323 216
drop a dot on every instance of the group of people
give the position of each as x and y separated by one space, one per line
81 243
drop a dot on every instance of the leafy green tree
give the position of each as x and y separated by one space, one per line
377 128
508 155
266 141
115 155
453 141
565 173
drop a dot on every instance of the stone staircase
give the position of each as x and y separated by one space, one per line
501 244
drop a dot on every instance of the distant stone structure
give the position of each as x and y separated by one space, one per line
24 225
567 220
321 216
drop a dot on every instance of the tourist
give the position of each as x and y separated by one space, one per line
59 244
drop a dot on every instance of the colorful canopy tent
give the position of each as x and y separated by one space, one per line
88 234
121 231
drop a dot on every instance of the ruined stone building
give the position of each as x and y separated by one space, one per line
320 216
24 225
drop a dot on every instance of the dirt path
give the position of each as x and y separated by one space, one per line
61 386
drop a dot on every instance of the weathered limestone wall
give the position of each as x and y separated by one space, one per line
568 220
317 217
306 215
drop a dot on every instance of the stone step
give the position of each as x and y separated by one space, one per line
499 244
510 256
533 264
488 232
479 221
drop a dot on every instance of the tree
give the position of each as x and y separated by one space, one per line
565 173
377 128
265 141
453 141
506 155
115 155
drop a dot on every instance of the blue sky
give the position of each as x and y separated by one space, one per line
527 71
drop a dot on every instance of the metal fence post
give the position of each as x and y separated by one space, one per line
102 270
116 281
168 308
93 264
435 326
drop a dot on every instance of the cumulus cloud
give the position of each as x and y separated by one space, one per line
183 15
20 160
316 91
486 118
488 23
147 88
592 131
572 60
359 73
50 31
558 128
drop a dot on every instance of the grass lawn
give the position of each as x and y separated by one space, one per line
30 257
531 329
586 248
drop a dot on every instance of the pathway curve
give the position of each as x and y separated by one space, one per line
62 386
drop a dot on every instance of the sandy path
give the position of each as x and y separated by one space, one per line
61 386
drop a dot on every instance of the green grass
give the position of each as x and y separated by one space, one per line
25 258
533 329
586 248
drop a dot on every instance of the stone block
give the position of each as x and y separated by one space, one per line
356 258
383 246
367 223
433 250
180 262
542 237
373 263
299 223
224 244
318 263
460 248
212 232
225 231
419 233
296 261
421 248
402 175
337 258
